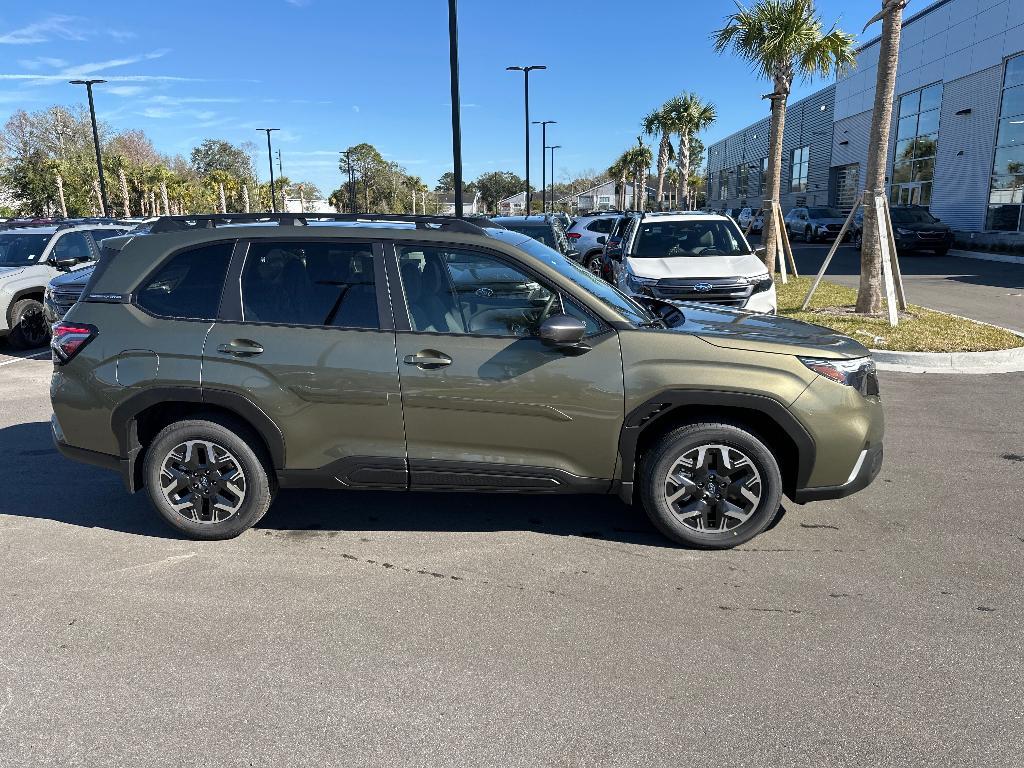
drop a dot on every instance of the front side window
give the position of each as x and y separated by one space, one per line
310 283
21 250
188 285
660 239
73 245
1006 194
799 164
462 291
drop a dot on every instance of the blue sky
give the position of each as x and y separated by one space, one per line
332 73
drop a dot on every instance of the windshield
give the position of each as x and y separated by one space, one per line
911 216
660 239
604 292
824 213
543 233
21 250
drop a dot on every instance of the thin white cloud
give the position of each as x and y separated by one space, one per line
126 90
56 26
178 100
355 107
298 3
110 78
42 61
78 70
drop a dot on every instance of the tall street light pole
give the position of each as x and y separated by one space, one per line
543 162
95 140
453 67
270 161
557 146
526 98
347 154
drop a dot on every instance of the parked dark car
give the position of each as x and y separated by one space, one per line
542 227
613 248
63 291
914 230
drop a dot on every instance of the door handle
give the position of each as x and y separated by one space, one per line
428 359
241 348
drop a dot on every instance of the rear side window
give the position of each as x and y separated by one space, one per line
306 283
603 226
188 285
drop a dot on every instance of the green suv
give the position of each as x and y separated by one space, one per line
216 359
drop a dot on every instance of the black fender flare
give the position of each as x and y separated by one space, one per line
123 418
653 409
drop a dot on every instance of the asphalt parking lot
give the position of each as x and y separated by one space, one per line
371 629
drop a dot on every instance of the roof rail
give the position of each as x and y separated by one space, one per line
213 220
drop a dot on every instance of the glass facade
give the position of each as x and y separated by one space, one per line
742 180
917 133
798 169
1006 195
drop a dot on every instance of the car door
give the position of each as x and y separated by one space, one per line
306 335
487 404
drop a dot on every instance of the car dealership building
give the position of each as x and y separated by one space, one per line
957 143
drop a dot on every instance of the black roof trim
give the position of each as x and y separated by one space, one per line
212 221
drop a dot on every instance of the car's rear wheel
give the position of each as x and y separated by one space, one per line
808 235
711 485
28 325
592 263
207 478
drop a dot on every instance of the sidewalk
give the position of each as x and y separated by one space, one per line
985 256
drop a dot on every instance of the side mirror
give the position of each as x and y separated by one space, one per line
67 263
615 254
562 331
601 239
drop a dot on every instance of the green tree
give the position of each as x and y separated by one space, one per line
781 39
659 123
497 185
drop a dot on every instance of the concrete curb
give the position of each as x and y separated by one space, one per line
1003 257
999 361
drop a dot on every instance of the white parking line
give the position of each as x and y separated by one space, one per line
21 359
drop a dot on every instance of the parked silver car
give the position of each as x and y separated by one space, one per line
588 235
813 224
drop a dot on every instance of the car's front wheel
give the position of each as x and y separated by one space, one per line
808 235
710 485
207 478
28 325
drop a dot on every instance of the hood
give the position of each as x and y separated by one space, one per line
934 226
828 220
9 271
734 329
698 266
77 277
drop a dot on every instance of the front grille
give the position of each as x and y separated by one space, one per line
728 292
932 235
65 298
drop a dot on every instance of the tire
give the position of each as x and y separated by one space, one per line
941 251
28 325
218 447
592 263
858 241
809 235
688 520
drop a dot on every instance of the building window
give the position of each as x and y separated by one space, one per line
917 133
742 180
723 185
798 169
762 181
1006 196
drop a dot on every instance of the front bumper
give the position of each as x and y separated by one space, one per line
868 465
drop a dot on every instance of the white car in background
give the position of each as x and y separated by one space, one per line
693 256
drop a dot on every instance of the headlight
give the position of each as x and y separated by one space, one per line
48 294
639 284
858 373
904 232
761 283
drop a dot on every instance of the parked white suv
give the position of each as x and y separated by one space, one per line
693 256
29 258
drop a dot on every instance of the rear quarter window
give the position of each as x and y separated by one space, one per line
188 285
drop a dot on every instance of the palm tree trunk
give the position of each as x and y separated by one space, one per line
683 160
774 180
869 295
663 153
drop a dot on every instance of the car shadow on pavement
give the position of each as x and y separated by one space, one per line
37 482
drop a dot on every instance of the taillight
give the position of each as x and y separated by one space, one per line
573 235
68 340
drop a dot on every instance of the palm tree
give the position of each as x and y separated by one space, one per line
672 180
689 116
783 38
869 295
659 122
638 162
619 170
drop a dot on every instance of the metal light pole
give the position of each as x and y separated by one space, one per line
557 146
543 162
270 162
526 98
453 67
95 140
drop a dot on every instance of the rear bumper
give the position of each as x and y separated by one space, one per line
869 463
84 456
